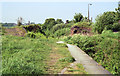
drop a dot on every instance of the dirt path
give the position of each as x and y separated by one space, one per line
54 57
55 66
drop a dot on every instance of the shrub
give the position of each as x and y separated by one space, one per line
82 24
110 34
31 34
103 48
116 27
61 26
34 28
58 26
35 35
67 59
62 32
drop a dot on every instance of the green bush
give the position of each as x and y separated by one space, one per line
59 21
62 32
32 28
110 34
35 35
31 34
116 27
49 25
61 26
82 24
67 59
103 48
58 26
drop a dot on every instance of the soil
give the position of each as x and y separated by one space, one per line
54 57
15 31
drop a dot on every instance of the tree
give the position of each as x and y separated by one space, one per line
78 17
105 20
47 26
49 23
59 21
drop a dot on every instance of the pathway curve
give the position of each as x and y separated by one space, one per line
91 66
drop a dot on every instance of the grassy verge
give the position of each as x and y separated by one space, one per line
24 55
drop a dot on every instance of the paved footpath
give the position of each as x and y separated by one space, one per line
91 66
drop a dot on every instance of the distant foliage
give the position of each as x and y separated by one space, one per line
49 23
116 27
61 26
82 24
62 32
59 21
8 24
58 26
106 20
35 35
85 19
34 28
78 17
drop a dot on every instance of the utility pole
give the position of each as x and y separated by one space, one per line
88 12
91 19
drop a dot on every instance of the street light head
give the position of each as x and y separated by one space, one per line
90 4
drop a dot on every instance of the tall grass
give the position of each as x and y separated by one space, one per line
24 55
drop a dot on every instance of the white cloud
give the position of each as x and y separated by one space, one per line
59 0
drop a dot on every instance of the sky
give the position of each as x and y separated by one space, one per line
38 11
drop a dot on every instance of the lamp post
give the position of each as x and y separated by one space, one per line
88 11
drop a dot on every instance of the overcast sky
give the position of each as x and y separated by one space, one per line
37 11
